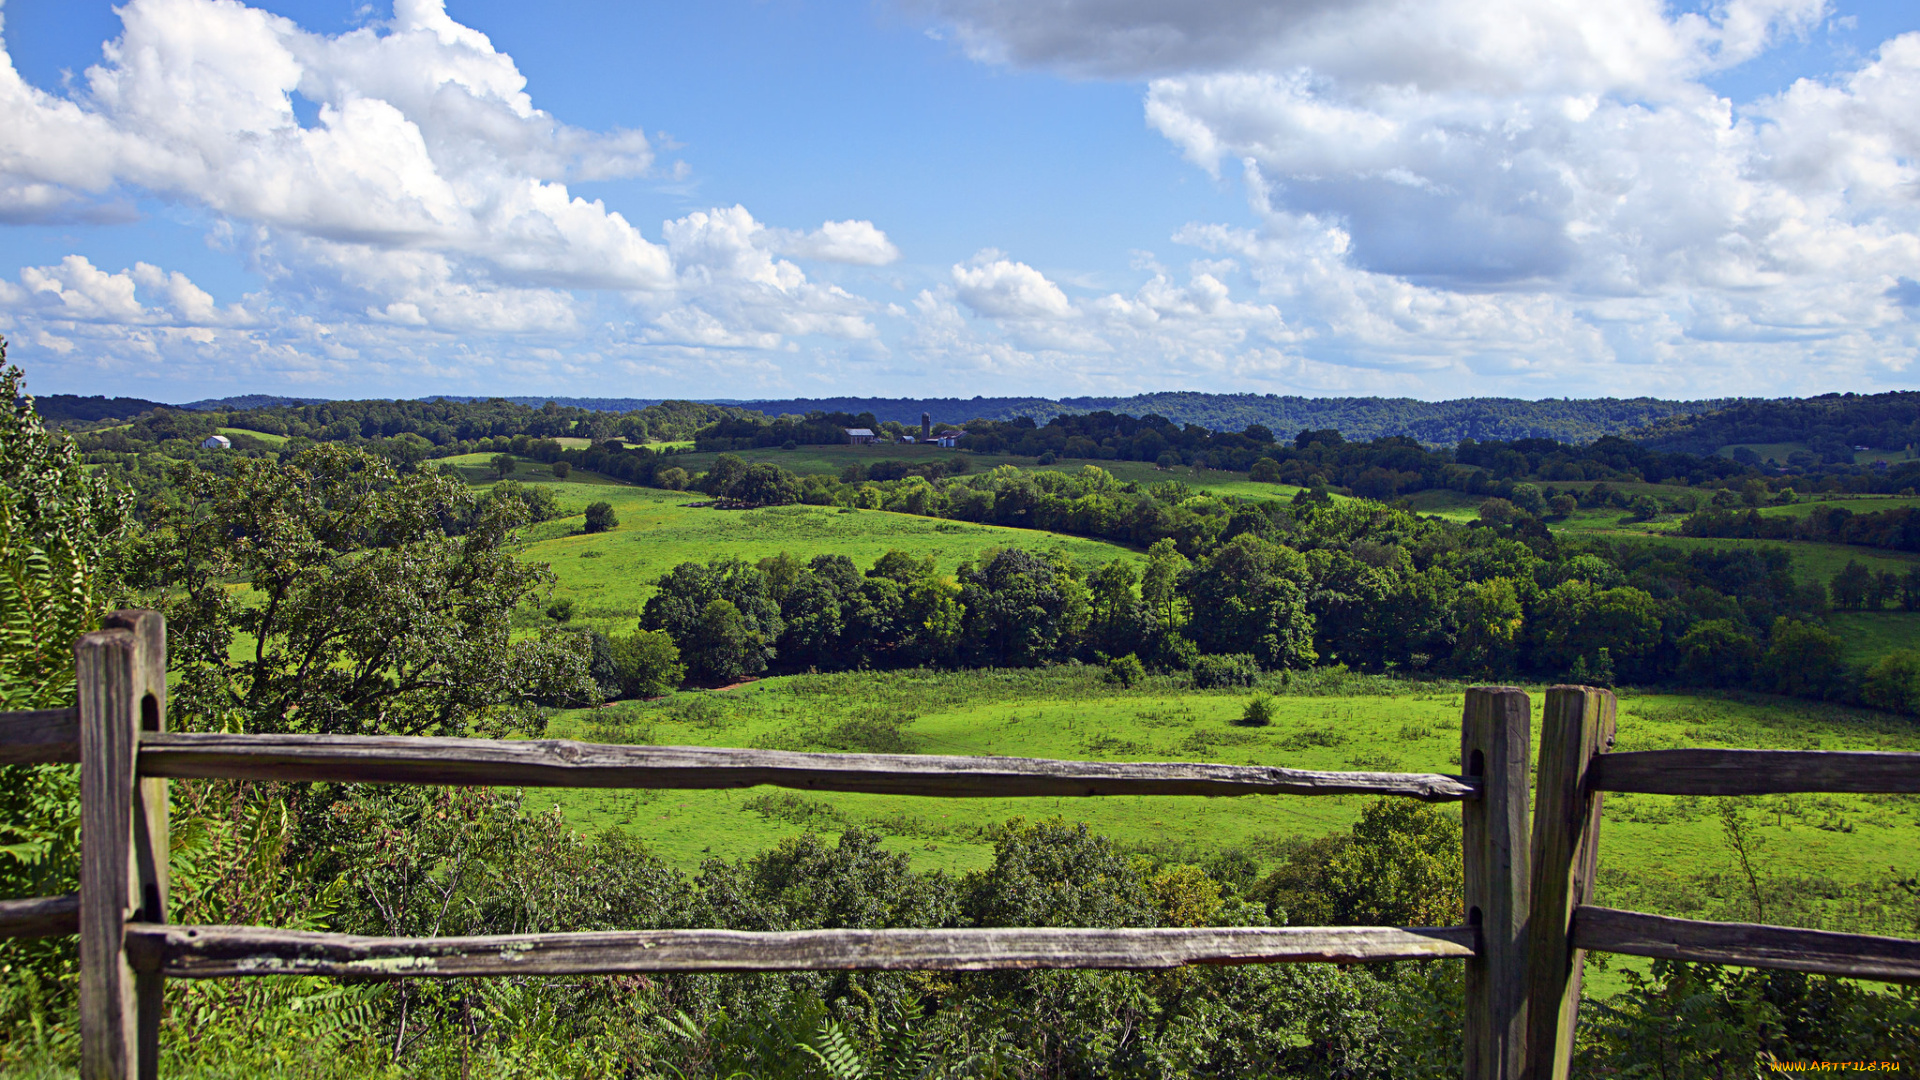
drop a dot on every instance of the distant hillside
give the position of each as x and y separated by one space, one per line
597 404
1432 422
248 401
1831 424
61 409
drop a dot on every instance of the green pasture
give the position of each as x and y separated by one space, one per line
610 575
1779 452
1811 562
1859 504
478 469
1659 853
266 437
1868 635
1461 506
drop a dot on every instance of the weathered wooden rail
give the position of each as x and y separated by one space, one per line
1529 876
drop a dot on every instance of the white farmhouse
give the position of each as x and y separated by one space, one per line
216 442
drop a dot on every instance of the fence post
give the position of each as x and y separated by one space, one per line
1494 747
1578 724
122 676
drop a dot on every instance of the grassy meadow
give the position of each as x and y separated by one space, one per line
1070 712
267 437
1811 561
1822 860
1836 854
610 575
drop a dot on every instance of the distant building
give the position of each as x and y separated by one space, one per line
908 439
926 427
949 441
860 436
216 442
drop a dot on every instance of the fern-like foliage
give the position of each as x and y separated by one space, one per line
46 600
835 1052
59 528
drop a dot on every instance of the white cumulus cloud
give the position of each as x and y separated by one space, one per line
421 218
1539 193
1001 288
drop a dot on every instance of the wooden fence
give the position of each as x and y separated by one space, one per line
1529 923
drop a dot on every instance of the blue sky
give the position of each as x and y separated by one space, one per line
739 199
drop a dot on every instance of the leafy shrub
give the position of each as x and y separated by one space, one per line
646 663
539 502
1259 712
1170 651
561 610
1398 866
1232 669
1527 498
1802 659
561 470
1126 671
1498 511
601 518
1893 683
1701 1020
1718 652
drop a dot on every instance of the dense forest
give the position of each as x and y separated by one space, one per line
1831 425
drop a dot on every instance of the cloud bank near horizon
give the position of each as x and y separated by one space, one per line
1515 197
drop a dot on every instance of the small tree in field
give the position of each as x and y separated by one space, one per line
647 664
600 517
503 465
1259 712
561 470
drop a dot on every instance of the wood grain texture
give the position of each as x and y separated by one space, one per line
1494 748
1760 772
1861 956
109 1037
201 952
122 682
1576 730
40 737
40 916
560 763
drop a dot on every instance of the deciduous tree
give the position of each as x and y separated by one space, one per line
357 611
